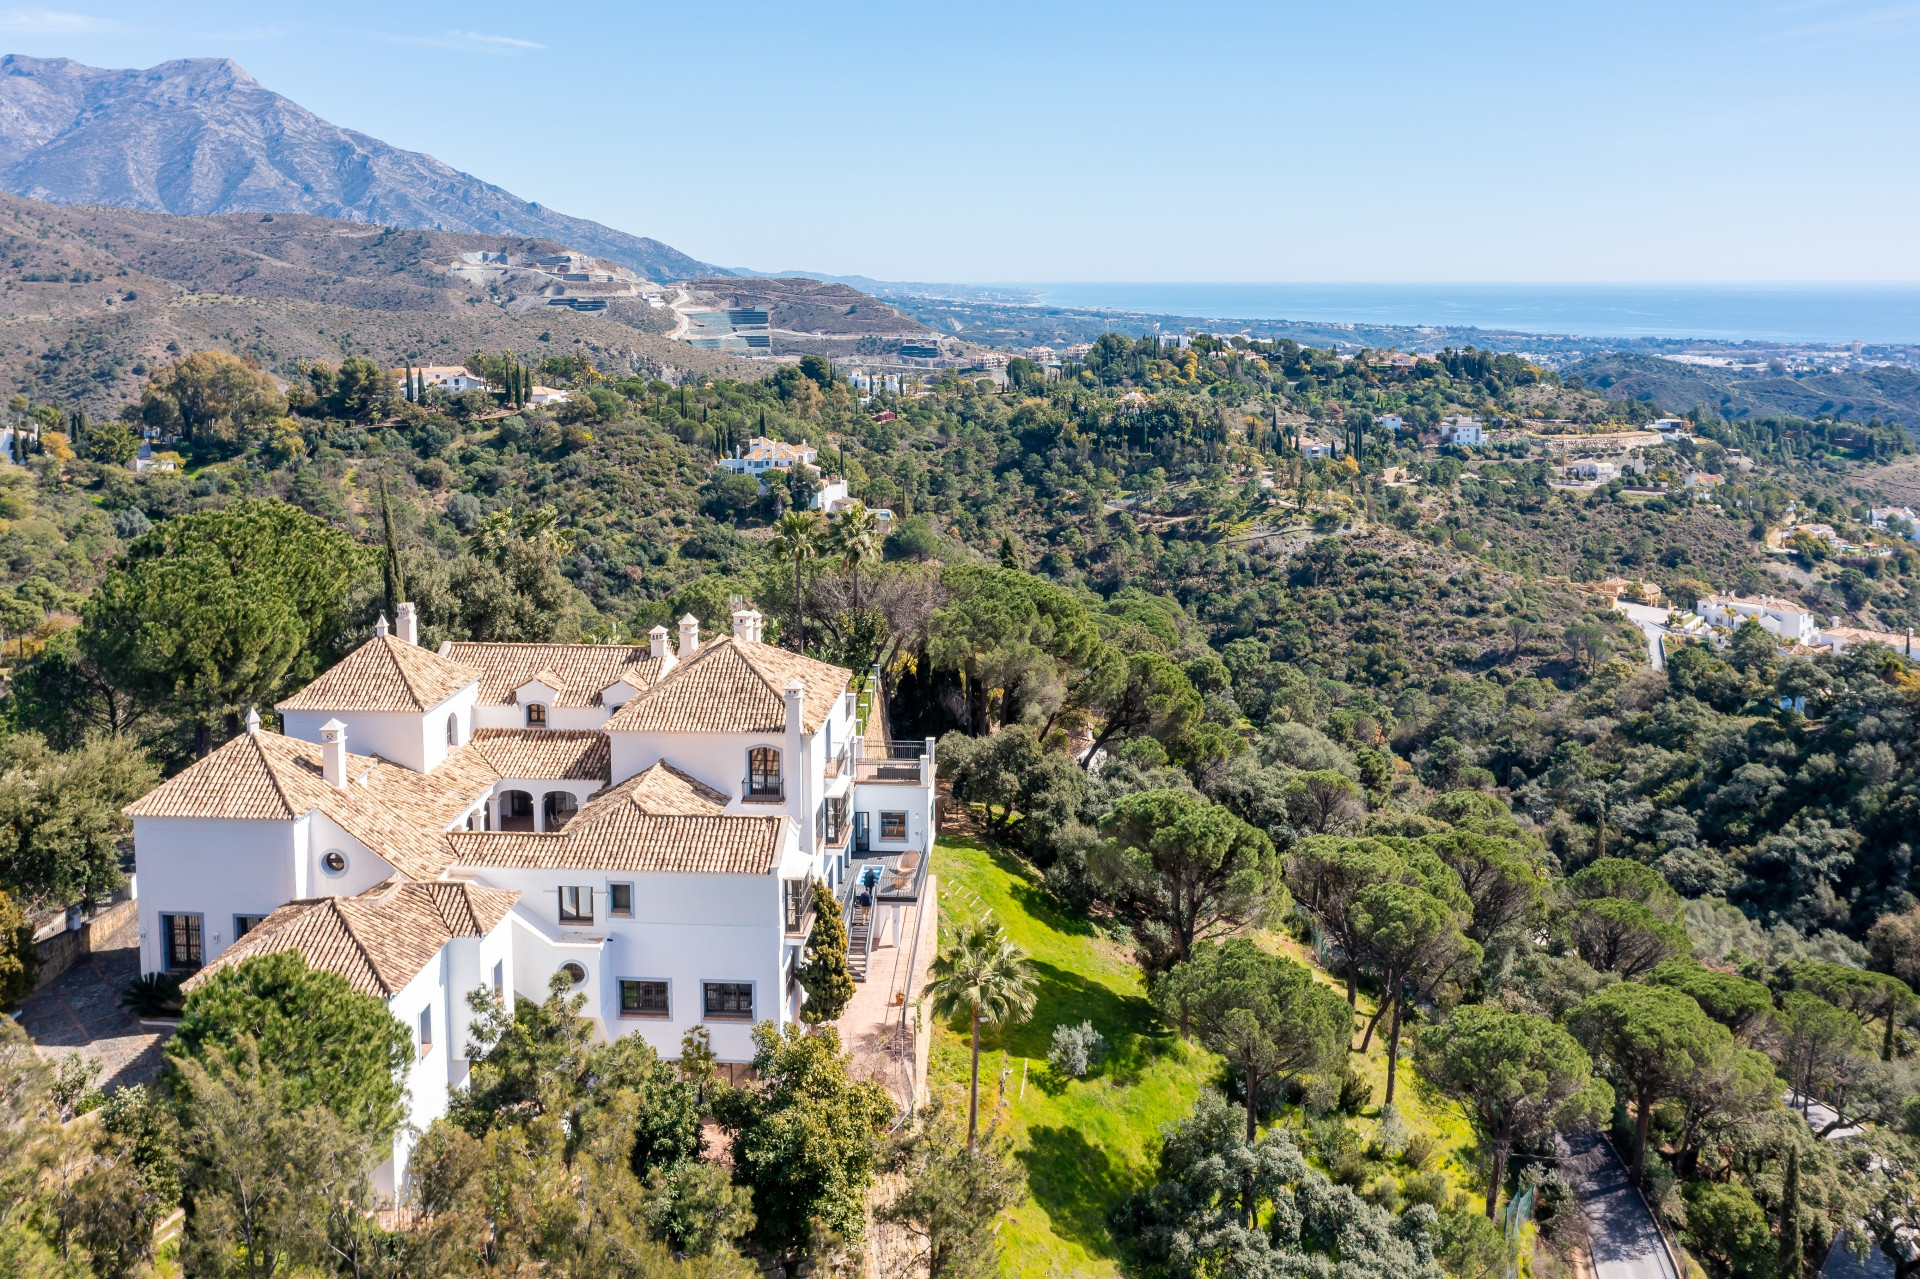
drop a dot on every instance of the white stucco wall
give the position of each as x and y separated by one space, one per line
413 739
427 1079
365 868
565 717
685 930
213 868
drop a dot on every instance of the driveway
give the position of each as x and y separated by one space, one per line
1620 1229
80 1009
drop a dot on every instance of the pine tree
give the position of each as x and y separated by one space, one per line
1791 1250
824 974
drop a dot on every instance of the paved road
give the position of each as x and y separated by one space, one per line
1620 1230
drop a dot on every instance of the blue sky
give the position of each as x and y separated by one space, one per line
1465 141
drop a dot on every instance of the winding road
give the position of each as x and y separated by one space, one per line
1621 1233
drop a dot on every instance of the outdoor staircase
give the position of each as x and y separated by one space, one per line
859 938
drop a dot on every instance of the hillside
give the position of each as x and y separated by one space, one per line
799 305
93 296
1890 393
201 136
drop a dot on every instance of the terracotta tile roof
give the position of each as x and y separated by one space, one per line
664 790
657 820
578 672
383 674
378 941
545 753
730 686
395 811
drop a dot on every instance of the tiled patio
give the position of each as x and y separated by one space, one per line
80 1009
870 1028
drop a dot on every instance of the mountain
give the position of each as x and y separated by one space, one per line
201 136
93 297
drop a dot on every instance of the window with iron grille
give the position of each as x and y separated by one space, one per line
643 998
797 899
732 1000
180 938
763 771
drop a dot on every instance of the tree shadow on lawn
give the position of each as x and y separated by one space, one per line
1030 895
1134 1033
1076 1184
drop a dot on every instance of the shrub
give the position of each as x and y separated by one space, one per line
1421 1148
1428 1188
1076 1049
154 995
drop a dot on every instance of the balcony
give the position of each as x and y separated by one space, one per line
763 790
796 906
906 762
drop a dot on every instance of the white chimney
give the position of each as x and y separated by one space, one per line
689 636
253 721
380 627
746 625
657 638
409 623
333 753
794 690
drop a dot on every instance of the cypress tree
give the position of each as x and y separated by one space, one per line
394 581
823 974
1791 1250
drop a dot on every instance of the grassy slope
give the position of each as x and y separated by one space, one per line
1087 1144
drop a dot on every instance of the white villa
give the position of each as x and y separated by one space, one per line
763 454
647 821
1461 430
1787 620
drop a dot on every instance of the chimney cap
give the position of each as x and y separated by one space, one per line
253 721
658 630
689 620
333 726
380 627
795 687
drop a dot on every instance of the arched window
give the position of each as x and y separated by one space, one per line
453 729
763 773
536 715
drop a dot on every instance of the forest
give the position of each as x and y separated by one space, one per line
1329 740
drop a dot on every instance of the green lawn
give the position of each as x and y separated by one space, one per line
1087 1144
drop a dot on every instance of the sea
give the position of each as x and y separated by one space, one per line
1880 314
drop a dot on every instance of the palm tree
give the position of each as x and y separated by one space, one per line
986 976
854 535
796 537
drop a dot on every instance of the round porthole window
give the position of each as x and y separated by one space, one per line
575 973
334 862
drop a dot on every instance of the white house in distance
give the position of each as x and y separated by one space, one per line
762 454
451 378
1461 430
1883 517
646 820
1787 620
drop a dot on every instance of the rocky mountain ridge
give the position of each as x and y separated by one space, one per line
201 136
